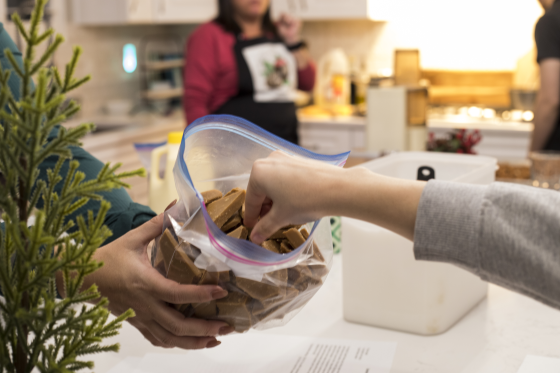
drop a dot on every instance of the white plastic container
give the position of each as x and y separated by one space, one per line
383 285
162 190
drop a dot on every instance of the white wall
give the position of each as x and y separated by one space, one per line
3 10
102 56
451 34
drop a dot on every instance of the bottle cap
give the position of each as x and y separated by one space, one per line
174 137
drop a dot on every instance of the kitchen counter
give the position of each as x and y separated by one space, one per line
117 136
494 337
506 141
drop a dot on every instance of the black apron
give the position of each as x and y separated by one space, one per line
267 79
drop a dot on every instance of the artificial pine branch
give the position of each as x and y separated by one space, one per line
36 330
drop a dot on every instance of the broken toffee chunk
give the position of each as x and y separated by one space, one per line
291 293
298 276
295 238
316 251
214 278
318 270
279 277
222 210
235 310
240 233
183 270
305 283
205 310
278 235
242 212
265 308
285 247
211 196
257 290
271 245
233 222
167 245
234 190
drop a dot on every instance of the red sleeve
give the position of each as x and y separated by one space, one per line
306 77
201 70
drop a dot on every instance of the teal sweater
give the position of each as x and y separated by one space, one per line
124 214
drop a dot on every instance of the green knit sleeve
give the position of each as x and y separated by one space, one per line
124 214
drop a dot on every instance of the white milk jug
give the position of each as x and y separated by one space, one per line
162 189
383 285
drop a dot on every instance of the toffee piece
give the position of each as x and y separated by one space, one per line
240 233
233 222
295 238
257 290
271 245
222 210
206 310
211 196
183 270
167 246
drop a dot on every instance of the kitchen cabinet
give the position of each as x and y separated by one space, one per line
317 10
184 11
123 12
332 136
112 12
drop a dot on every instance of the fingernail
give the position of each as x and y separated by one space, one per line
226 330
171 205
218 294
213 343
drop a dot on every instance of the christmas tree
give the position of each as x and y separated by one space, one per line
37 331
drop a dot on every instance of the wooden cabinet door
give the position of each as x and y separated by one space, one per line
185 11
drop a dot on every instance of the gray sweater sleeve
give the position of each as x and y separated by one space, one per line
507 234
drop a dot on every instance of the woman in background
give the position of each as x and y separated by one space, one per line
243 64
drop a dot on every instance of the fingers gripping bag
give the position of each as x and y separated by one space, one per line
204 241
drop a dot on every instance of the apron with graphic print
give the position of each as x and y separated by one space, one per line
267 87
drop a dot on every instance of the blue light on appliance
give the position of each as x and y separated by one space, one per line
130 62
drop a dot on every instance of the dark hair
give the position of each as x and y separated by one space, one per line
226 20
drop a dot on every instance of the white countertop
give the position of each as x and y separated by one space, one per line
450 122
494 337
457 121
333 121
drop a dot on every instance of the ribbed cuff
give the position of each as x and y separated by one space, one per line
448 224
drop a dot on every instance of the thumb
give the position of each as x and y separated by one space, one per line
149 230
153 228
266 227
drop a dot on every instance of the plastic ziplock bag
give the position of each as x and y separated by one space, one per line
144 151
265 288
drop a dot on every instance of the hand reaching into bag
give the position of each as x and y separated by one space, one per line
284 190
287 190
